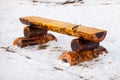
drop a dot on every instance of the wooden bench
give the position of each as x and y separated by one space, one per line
84 48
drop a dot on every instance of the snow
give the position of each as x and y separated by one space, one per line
32 63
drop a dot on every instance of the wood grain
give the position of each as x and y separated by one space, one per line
88 33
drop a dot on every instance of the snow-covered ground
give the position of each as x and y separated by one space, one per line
35 63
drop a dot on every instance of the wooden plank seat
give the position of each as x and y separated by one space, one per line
87 33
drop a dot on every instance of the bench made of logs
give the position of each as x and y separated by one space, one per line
84 48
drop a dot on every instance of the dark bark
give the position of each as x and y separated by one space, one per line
23 41
30 31
79 45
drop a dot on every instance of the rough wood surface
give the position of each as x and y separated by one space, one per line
30 31
88 33
79 45
24 41
76 57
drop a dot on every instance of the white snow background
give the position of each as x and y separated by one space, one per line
33 63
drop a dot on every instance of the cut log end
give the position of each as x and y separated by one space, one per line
24 21
100 36
70 57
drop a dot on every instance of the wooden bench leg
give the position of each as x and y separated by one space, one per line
73 57
80 44
30 31
24 41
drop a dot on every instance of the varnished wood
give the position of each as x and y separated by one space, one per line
24 41
73 57
30 31
79 45
88 33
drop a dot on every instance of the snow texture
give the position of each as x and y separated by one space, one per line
36 63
